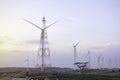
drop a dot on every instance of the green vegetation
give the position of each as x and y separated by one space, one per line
65 75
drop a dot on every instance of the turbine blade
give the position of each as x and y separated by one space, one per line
32 24
52 24
77 43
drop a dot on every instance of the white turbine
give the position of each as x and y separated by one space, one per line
75 51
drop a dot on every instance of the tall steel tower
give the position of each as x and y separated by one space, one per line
43 55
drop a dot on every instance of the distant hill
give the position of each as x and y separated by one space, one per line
11 69
58 69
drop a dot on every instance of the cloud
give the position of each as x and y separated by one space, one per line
73 18
104 46
36 42
5 39
33 41
8 43
16 58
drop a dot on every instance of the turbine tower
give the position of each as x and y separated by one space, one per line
89 57
99 62
43 55
75 52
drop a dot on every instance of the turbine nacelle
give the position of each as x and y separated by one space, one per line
74 45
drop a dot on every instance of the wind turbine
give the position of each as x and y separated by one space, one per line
75 51
44 51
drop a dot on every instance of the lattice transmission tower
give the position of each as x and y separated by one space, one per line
43 54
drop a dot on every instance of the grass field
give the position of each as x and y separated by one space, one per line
89 75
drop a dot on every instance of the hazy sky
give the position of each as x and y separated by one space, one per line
95 23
